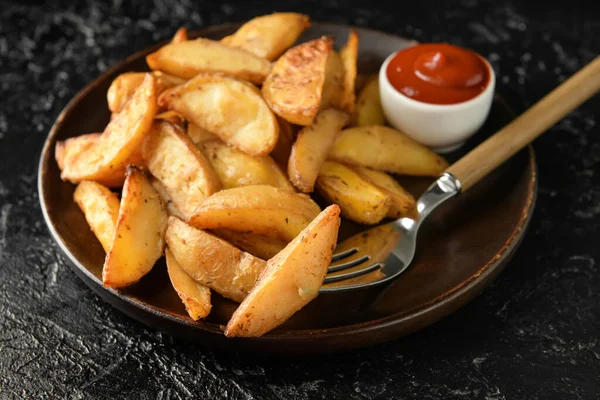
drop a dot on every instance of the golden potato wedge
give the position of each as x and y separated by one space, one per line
180 166
165 197
231 109
101 209
333 87
199 135
283 147
359 200
385 149
294 86
192 57
213 262
236 168
349 55
195 297
268 36
403 203
261 209
258 245
67 151
368 106
173 117
310 149
139 234
180 36
120 142
291 280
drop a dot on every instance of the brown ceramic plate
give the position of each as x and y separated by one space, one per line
463 248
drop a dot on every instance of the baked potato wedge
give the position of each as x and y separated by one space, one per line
180 166
199 135
124 85
368 105
333 87
232 109
195 297
261 209
213 262
294 87
283 147
268 36
118 145
310 149
180 36
403 203
192 57
291 279
385 149
67 151
359 200
139 233
349 56
173 117
165 197
101 209
236 168
258 245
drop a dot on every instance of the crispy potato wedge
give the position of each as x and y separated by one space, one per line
291 280
195 297
180 166
236 168
268 36
403 203
333 87
180 36
385 149
231 109
213 262
67 151
101 209
139 234
199 135
310 149
283 147
261 209
294 86
368 106
192 57
359 200
173 117
119 144
349 56
258 245
165 197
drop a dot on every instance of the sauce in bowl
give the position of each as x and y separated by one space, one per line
438 73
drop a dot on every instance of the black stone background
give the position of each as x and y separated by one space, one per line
534 334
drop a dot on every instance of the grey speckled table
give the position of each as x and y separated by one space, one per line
535 334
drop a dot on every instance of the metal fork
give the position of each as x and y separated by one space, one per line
458 178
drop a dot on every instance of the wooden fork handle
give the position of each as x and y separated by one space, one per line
532 123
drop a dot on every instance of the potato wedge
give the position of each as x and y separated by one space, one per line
180 36
283 147
385 149
67 151
268 36
173 117
236 168
333 87
165 197
180 166
120 142
213 262
195 297
310 149
349 56
192 57
101 209
265 210
258 245
403 203
199 135
139 235
368 106
294 86
359 200
291 280
231 109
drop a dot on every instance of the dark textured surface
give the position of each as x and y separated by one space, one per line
534 334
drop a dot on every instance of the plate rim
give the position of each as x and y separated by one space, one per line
494 266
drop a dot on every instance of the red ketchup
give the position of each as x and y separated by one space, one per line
438 73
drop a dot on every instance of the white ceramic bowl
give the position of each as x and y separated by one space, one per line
443 127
